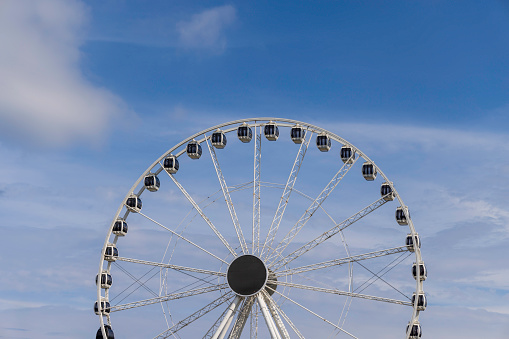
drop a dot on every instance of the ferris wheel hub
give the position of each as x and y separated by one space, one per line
247 275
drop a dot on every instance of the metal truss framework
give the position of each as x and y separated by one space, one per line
236 310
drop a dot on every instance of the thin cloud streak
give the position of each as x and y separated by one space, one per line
205 30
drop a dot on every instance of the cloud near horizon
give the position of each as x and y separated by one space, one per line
45 98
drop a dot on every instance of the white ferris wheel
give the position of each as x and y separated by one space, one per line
233 242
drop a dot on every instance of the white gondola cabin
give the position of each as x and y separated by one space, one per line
271 131
323 142
171 164
415 330
106 280
193 149
244 133
152 182
422 302
386 191
412 241
111 253
120 227
423 272
401 215
298 134
105 307
369 171
133 203
347 154
218 139
109 333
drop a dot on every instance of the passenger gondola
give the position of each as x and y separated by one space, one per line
111 253
244 133
106 280
105 308
412 242
323 142
133 203
271 131
369 171
347 154
423 272
401 215
297 134
415 331
218 139
422 302
120 227
109 333
193 149
386 191
152 182
171 164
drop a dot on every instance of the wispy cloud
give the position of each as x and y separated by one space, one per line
205 30
45 98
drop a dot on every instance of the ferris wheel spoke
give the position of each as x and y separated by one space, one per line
181 237
195 316
285 196
254 323
341 261
168 297
315 314
227 198
199 210
386 269
275 315
173 267
333 183
330 233
257 188
339 292
240 322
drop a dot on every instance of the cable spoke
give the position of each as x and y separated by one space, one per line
173 267
198 209
339 292
342 261
195 316
256 188
313 313
312 209
227 198
330 233
181 237
171 296
245 310
285 197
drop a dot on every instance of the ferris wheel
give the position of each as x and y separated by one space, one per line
297 241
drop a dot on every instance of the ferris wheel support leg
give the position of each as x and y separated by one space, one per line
274 334
227 320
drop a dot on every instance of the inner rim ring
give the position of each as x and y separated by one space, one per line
247 275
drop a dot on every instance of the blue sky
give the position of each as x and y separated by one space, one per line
93 92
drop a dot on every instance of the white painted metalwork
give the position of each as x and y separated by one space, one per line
285 197
228 199
200 279
256 188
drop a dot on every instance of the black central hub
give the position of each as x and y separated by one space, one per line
247 275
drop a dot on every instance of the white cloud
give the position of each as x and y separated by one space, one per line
45 98
206 29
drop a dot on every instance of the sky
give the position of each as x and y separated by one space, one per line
92 92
